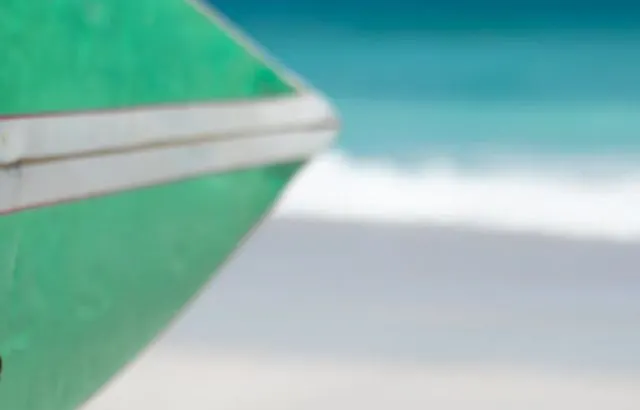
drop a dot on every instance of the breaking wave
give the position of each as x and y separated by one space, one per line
338 187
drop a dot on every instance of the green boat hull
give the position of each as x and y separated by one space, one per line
85 286
77 55
140 142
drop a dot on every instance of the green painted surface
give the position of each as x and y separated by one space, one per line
69 55
85 286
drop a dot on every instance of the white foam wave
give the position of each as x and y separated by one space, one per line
338 187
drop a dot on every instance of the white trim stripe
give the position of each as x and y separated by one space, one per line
46 160
37 138
45 183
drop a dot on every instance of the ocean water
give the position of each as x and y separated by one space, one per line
484 113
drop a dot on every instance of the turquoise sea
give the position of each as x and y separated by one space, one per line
530 112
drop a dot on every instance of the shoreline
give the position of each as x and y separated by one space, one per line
453 228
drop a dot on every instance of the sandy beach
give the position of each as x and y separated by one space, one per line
316 315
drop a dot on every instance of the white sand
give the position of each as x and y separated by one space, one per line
171 380
344 317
